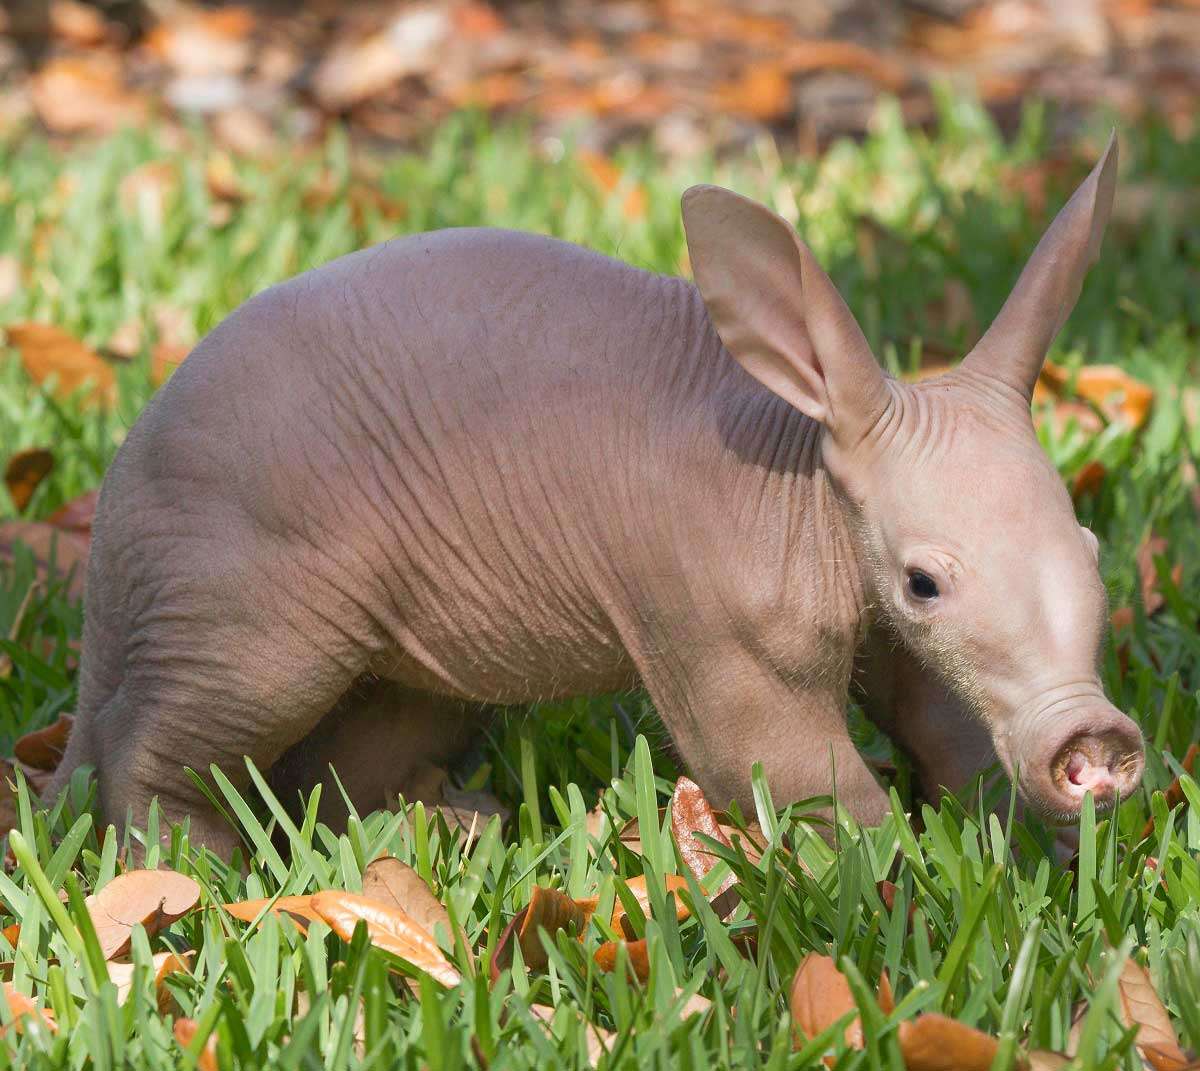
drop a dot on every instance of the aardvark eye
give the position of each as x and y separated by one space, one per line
922 586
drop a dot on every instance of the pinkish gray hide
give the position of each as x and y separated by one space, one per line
481 467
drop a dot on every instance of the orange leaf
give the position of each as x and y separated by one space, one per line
151 898
185 1031
84 94
691 813
43 749
21 1006
673 882
805 56
607 176
48 351
165 964
1174 793
24 472
388 928
933 1042
1088 480
1116 391
639 958
1154 546
820 997
392 882
762 92
1140 1006
284 907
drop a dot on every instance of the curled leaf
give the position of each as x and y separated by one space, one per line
150 898
24 473
165 964
637 952
548 909
284 906
393 882
1140 1006
820 997
933 1042
43 749
22 1007
691 813
673 882
388 928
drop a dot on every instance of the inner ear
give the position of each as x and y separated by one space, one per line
778 313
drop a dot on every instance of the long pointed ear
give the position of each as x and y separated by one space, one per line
1014 348
778 313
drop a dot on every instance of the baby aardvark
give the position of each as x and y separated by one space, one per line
477 467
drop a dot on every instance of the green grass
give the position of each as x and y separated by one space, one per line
1003 937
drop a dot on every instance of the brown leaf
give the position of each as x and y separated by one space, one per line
820 997
392 882
76 516
887 1001
807 56
761 92
153 898
24 472
78 24
67 550
49 352
43 749
691 813
1174 794
21 1007
1140 1006
549 910
165 964
185 1030
199 43
470 810
355 70
284 907
933 1042
673 883
1154 546
84 94
389 928
1088 480
639 957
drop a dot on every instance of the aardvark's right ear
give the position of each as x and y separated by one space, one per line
778 313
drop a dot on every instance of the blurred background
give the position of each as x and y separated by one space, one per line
689 74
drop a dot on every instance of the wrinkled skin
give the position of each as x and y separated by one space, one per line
480 467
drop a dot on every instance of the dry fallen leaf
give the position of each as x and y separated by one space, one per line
1174 793
388 928
806 56
165 964
933 1042
1118 395
1140 1006
21 1007
1154 546
197 42
393 882
152 898
77 515
49 352
761 92
673 884
77 24
548 909
284 907
691 813
639 957
820 996
607 176
185 1031
24 473
1088 480
67 550
84 95
43 749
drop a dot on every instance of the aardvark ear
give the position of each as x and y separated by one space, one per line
1015 346
778 313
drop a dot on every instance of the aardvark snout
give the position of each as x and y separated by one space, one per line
1096 749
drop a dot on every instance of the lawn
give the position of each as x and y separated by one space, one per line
140 243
